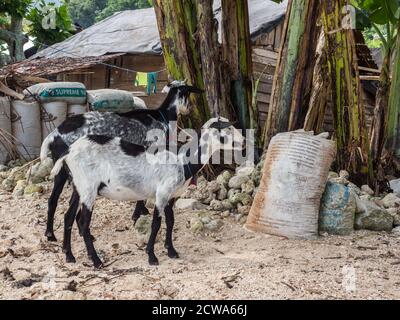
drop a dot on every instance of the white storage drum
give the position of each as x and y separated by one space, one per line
52 114
26 128
5 126
75 109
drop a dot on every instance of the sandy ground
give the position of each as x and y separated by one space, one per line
232 263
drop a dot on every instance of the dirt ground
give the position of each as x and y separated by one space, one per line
232 263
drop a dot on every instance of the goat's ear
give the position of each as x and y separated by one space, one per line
193 89
224 125
220 125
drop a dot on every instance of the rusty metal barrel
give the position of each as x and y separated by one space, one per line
294 177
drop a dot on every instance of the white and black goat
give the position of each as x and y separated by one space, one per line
132 126
119 170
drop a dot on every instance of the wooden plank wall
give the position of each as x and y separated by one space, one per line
265 56
100 76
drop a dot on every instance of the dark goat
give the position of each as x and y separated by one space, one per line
132 126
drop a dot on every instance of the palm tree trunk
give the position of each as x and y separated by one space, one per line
177 22
320 90
393 142
236 55
293 76
348 109
214 83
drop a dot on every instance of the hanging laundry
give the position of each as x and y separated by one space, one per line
151 82
141 79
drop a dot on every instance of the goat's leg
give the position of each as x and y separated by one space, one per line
68 222
78 217
84 222
169 221
59 182
140 210
155 227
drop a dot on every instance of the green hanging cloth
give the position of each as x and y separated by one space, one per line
141 79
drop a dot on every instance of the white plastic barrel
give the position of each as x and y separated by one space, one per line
75 109
52 114
5 126
26 128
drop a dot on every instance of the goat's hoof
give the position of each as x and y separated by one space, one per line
153 261
51 237
97 264
70 258
173 254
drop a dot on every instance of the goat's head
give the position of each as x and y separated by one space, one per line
219 133
179 93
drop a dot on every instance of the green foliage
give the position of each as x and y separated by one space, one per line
380 11
120 5
87 12
380 15
84 12
4 20
372 38
46 30
15 7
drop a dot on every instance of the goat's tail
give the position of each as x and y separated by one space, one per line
44 150
57 166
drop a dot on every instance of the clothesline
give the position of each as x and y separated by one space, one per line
148 79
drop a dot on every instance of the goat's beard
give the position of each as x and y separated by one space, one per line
183 109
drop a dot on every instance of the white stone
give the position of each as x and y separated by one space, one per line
367 190
391 201
344 174
396 230
237 181
245 171
189 204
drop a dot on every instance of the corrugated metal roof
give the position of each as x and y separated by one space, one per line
131 31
